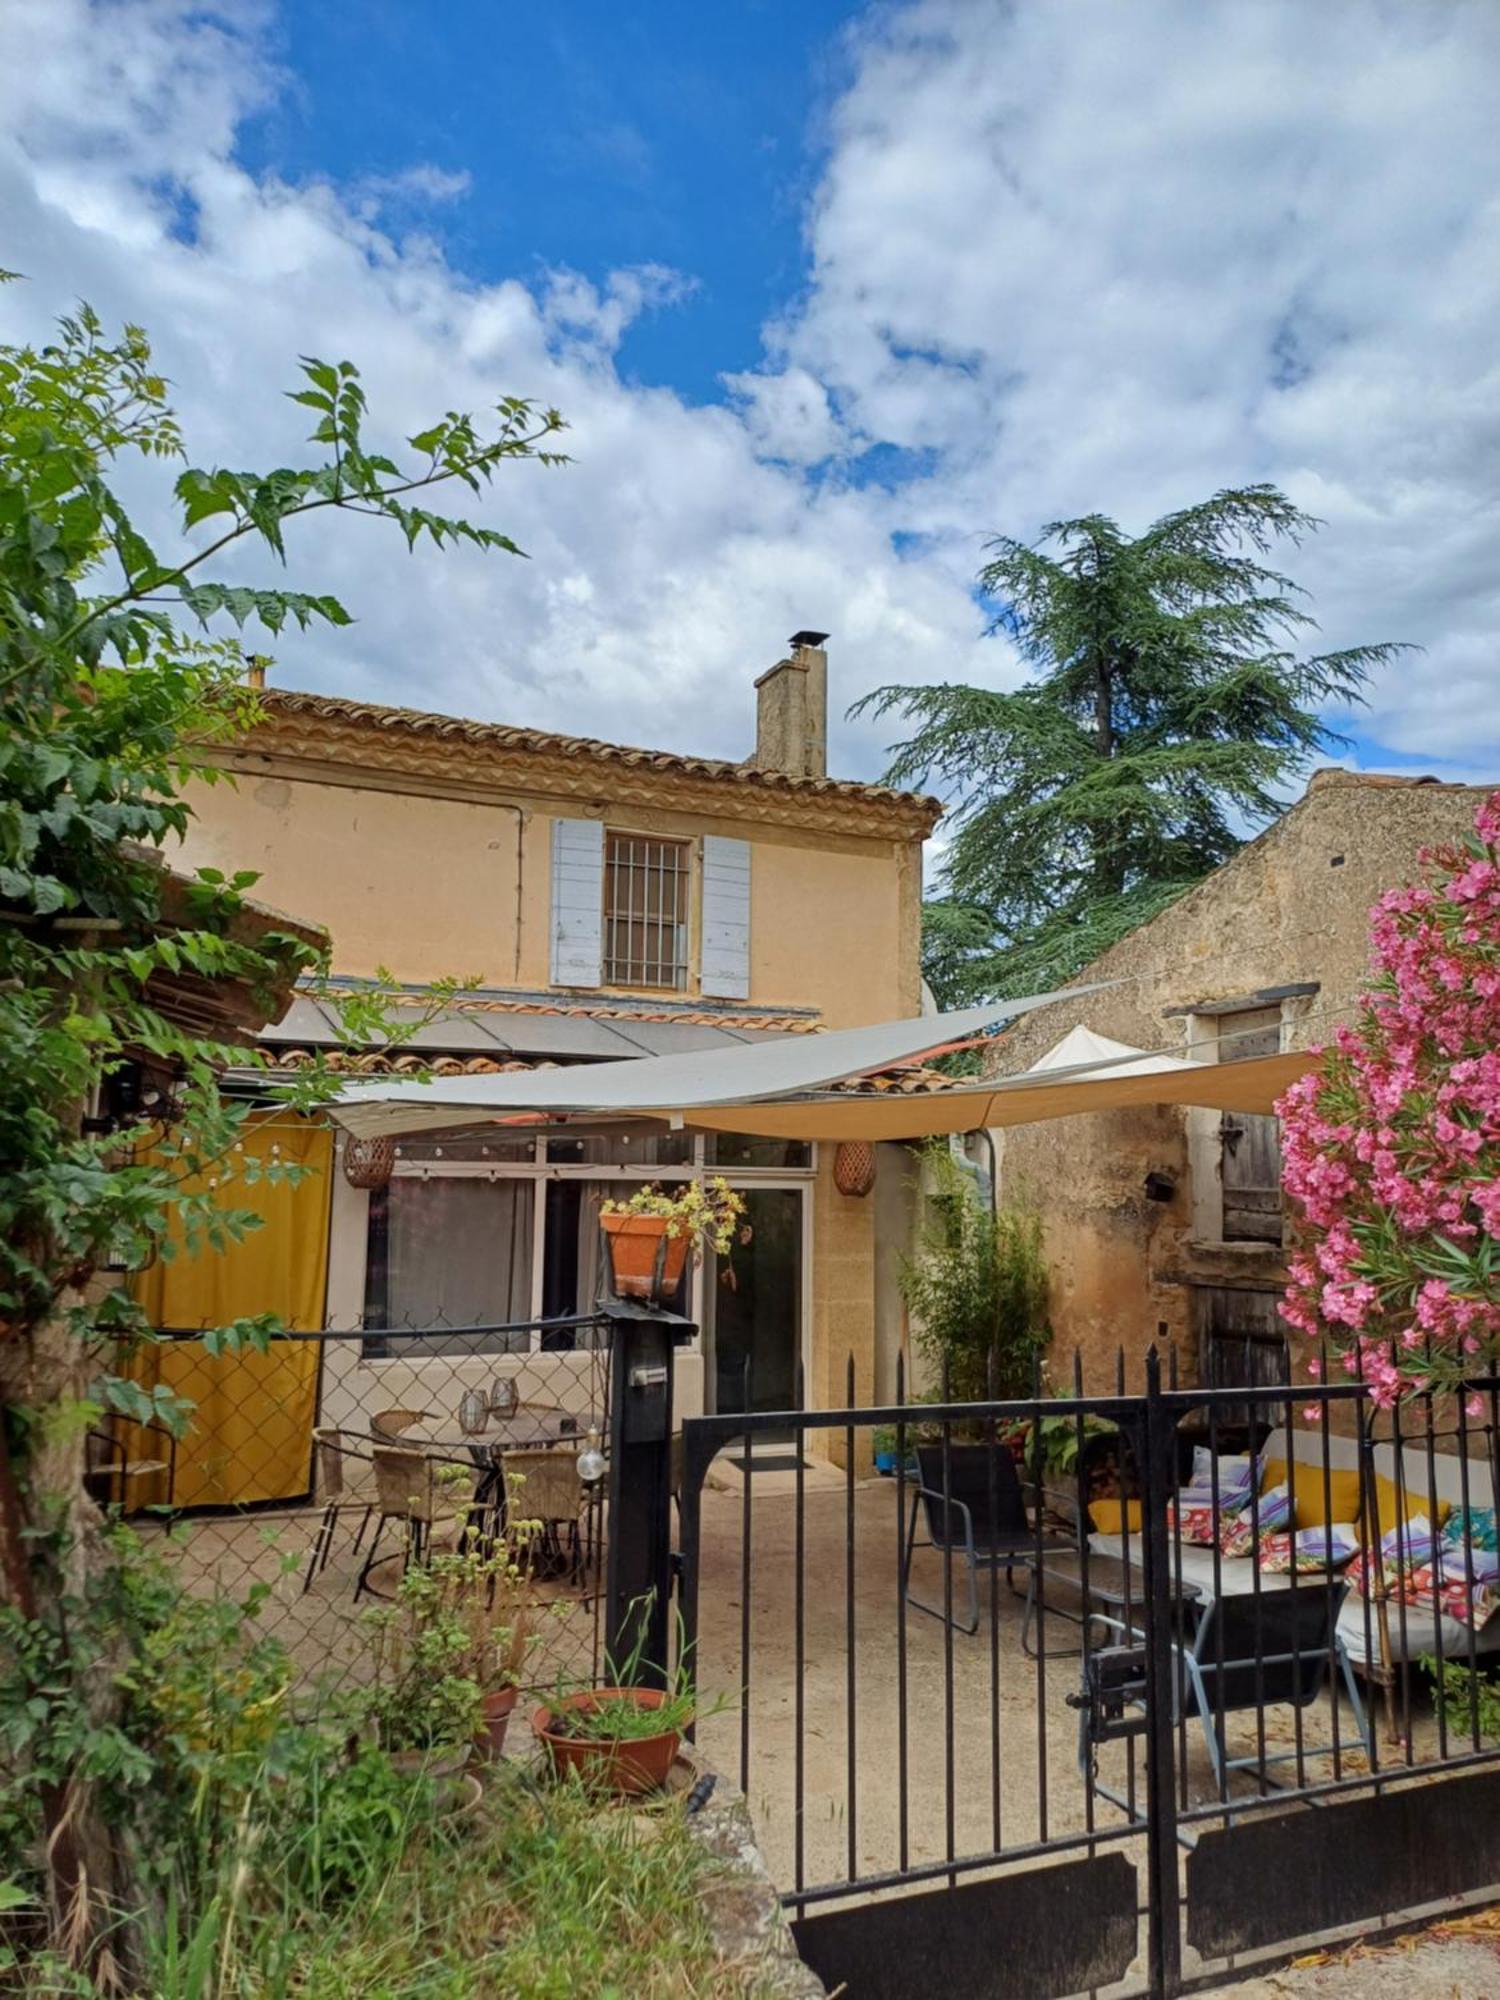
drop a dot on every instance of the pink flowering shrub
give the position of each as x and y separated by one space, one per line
1392 1150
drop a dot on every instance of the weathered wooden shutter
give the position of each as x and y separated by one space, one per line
1251 1144
577 901
726 918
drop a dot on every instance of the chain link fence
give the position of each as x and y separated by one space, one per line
318 1468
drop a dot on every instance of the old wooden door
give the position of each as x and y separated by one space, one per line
1250 1145
1241 1343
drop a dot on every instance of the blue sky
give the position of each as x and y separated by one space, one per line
827 293
592 136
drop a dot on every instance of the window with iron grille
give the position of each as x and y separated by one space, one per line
645 911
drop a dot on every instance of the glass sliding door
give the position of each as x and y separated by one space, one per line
753 1304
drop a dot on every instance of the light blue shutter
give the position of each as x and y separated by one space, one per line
577 901
726 918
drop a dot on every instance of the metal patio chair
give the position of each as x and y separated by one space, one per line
548 1490
109 1468
391 1423
334 1452
969 1498
1255 1650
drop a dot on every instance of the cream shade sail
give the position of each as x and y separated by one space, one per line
1084 1073
689 1083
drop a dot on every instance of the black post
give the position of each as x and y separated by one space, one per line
1158 1450
638 1567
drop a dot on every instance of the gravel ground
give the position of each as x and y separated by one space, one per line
1453 1961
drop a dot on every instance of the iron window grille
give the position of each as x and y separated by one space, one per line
645 912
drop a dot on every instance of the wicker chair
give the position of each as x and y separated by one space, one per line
391 1423
408 1489
547 1489
334 1453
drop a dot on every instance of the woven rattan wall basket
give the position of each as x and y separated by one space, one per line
368 1163
854 1167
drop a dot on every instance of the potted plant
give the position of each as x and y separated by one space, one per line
493 1597
976 1289
651 1234
448 1654
620 1740
421 1707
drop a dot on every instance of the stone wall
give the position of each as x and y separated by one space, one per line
1290 910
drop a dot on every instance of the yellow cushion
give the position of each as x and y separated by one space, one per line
1343 1496
1391 1503
1106 1516
1317 1505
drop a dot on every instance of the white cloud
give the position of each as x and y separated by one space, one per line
1060 258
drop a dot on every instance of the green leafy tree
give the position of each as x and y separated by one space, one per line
120 669
1168 715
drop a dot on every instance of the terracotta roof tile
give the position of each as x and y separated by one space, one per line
376 1062
690 1017
504 736
914 1080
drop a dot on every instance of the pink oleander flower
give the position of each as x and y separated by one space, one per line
1391 1157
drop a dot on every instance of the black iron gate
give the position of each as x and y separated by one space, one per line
1031 1736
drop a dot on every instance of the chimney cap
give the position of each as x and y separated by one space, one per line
807 638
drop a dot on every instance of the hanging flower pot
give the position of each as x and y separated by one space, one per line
854 1167
645 1262
368 1163
651 1235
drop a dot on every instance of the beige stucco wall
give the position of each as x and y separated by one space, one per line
431 887
1291 908
425 877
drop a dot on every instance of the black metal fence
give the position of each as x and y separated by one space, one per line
318 1467
1131 1691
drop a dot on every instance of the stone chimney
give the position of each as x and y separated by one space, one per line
791 712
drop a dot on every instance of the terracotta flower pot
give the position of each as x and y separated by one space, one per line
626 1769
634 1241
494 1718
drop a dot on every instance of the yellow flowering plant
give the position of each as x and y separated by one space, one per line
703 1211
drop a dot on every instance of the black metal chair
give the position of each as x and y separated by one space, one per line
109 1468
334 1451
969 1498
1277 1648
1253 1651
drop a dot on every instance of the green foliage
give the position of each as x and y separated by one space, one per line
121 670
1169 712
94 756
977 1287
1468 1699
280 1858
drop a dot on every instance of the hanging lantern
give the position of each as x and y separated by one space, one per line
854 1167
368 1162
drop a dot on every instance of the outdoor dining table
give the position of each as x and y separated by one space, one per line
529 1427
1103 1588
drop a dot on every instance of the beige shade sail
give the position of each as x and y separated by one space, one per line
1019 1100
693 1081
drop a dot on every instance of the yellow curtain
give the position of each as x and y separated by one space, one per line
250 1436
